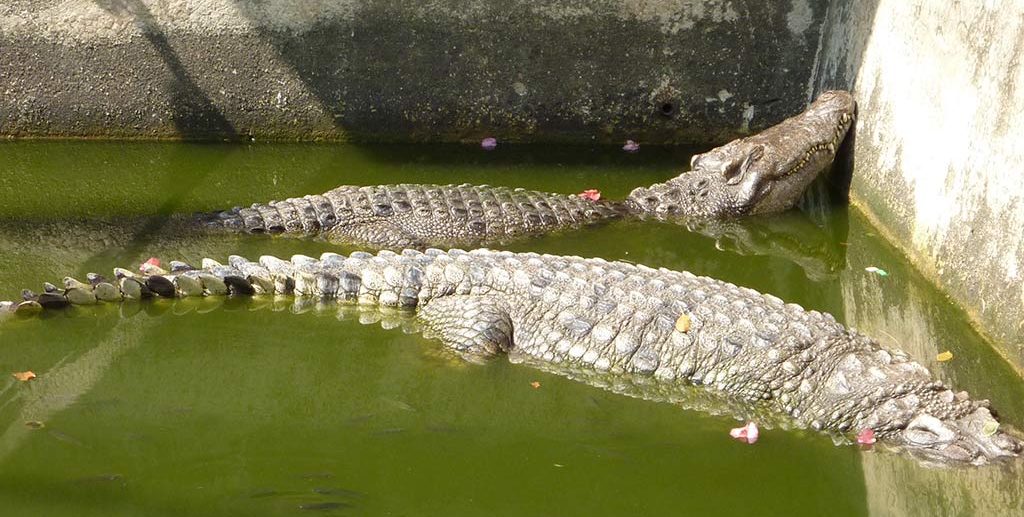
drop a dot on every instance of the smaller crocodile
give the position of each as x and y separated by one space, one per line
759 174
616 320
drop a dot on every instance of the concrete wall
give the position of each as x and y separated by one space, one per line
938 160
689 71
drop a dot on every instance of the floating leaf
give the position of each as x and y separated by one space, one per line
24 376
631 146
944 356
878 271
990 428
748 433
866 436
35 424
684 323
489 143
591 194
535 384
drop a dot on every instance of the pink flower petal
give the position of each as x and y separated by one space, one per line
153 261
752 432
748 433
866 436
489 143
591 194
631 146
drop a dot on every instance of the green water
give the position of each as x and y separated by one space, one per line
255 408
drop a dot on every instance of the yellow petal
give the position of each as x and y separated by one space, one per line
944 356
24 376
683 323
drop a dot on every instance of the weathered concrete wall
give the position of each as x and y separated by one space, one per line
939 160
696 71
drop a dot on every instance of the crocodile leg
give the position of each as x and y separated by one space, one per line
471 325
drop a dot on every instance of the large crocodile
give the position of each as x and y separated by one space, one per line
615 319
763 173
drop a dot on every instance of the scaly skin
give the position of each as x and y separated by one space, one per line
418 216
619 320
759 174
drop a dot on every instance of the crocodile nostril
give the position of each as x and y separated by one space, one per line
667 109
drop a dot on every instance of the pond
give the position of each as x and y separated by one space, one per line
217 408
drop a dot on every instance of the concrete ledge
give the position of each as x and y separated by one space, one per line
681 71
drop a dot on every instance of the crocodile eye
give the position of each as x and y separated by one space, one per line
755 154
731 173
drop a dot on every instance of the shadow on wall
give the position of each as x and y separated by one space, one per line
404 74
844 36
194 114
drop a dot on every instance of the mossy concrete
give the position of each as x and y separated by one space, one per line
658 71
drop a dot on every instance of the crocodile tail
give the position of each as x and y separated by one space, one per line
332 276
308 215
415 215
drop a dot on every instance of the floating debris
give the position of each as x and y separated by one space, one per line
684 323
747 433
631 146
24 376
35 424
489 143
866 436
878 271
944 356
591 194
535 384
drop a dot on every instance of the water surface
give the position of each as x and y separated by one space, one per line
250 408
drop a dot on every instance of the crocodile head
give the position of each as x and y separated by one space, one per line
903 404
974 438
762 173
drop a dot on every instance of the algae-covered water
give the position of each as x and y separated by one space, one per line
250 408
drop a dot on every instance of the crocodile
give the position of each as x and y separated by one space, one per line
759 174
613 319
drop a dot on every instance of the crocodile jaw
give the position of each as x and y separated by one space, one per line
962 440
762 173
783 160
